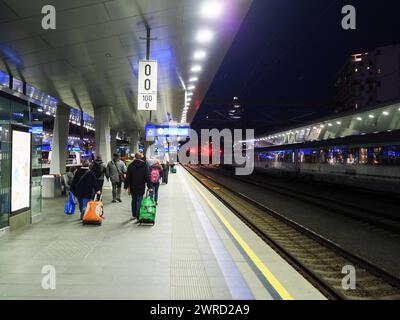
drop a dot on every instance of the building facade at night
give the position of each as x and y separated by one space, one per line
368 79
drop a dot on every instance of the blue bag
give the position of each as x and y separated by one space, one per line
69 208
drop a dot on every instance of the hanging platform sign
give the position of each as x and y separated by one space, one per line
147 91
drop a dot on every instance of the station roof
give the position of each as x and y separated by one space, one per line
91 59
380 119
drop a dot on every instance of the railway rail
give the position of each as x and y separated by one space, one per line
318 259
384 221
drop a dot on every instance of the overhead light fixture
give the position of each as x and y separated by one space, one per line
359 119
385 113
191 87
204 36
371 116
200 55
194 79
211 9
196 68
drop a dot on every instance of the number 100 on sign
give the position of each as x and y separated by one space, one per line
147 85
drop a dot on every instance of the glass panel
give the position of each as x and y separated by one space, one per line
5 168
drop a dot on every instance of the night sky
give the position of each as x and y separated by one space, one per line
290 51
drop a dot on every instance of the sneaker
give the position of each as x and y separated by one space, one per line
114 201
119 200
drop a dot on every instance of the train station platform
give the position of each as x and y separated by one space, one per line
198 249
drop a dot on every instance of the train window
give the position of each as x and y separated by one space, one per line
352 156
391 156
375 156
309 156
336 156
363 156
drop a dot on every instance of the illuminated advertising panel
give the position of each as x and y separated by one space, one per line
20 170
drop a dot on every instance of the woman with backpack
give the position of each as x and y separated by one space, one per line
155 172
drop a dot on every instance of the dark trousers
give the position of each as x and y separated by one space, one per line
100 183
154 193
116 190
136 204
165 176
83 202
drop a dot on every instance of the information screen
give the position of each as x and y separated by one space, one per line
20 170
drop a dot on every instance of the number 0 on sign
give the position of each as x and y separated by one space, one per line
147 85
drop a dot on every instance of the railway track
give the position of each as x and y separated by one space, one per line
376 219
318 259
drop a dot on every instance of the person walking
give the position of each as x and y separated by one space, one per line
68 177
115 172
84 186
99 169
156 172
165 171
137 178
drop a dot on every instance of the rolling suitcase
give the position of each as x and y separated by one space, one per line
94 212
173 170
148 211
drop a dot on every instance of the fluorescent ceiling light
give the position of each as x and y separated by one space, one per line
204 36
196 68
191 87
211 9
200 55
194 79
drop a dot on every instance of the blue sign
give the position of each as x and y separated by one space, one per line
167 131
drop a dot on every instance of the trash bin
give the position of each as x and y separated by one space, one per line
51 186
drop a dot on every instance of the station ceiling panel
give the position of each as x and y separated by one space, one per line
91 59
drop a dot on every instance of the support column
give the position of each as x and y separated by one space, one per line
60 140
134 145
103 133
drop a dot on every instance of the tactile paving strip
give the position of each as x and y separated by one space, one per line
191 293
67 249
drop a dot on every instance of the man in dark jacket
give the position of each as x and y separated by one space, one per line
99 169
84 186
136 179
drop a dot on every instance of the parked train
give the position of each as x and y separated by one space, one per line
368 162
360 149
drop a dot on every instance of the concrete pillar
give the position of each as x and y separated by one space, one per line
103 133
135 139
60 140
114 134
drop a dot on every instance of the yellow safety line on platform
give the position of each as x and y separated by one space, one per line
256 260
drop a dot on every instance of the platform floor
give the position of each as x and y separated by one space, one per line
198 249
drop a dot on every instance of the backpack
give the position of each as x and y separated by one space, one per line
154 175
97 170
